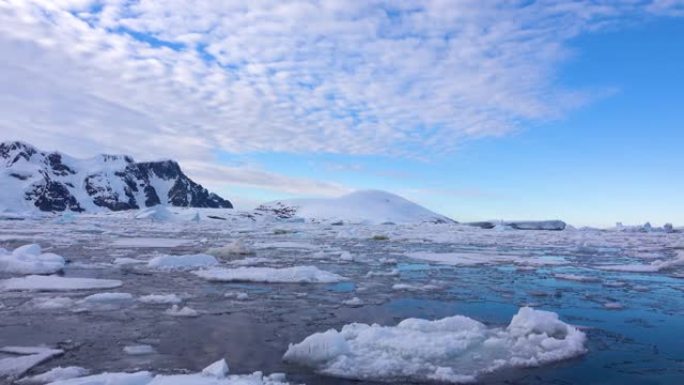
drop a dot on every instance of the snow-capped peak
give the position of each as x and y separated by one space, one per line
34 179
367 206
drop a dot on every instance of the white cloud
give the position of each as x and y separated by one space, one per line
357 77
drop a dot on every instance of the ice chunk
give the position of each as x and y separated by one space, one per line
138 350
160 299
303 274
51 303
28 357
577 278
238 295
137 378
232 249
218 369
186 311
353 302
105 301
127 261
182 262
453 349
54 283
56 374
29 259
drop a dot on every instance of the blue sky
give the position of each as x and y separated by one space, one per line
477 110
619 158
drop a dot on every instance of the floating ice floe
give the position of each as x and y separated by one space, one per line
138 350
238 295
613 305
56 374
136 378
353 302
29 259
454 349
52 303
237 247
186 311
653 267
128 261
26 358
295 274
106 301
160 299
182 262
473 259
576 278
149 242
214 374
286 245
54 283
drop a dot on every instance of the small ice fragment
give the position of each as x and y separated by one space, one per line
160 299
182 312
218 369
238 295
138 350
354 302
613 305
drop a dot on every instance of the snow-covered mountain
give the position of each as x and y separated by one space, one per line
31 179
367 206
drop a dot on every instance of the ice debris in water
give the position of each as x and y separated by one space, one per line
353 302
238 295
29 259
138 350
181 262
454 349
295 274
54 283
214 374
25 358
186 311
232 249
106 301
655 266
56 374
160 299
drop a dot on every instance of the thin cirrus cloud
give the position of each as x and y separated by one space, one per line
184 79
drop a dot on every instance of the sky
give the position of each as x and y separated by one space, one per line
474 109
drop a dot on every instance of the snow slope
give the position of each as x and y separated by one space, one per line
366 206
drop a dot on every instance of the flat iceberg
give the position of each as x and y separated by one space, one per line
214 374
29 259
27 357
182 262
54 283
454 349
295 274
55 374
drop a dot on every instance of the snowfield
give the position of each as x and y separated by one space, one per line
135 298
